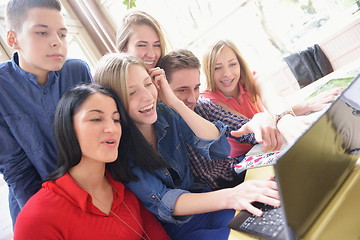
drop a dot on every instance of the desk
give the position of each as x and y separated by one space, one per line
350 70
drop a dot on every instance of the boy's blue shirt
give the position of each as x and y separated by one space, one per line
27 142
159 190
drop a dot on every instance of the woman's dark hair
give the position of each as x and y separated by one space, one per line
68 147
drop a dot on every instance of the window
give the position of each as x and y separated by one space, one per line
80 45
264 30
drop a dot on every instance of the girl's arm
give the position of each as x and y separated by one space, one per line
239 198
201 127
317 103
178 205
290 126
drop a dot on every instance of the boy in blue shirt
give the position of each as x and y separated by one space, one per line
31 84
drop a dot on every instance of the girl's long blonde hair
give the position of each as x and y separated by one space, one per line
112 71
246 76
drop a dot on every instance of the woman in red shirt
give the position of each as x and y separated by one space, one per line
85 199
231 85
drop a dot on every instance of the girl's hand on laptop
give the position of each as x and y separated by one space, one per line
264 191
318 102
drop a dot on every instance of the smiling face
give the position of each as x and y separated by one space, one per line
227 72
41 43
144 43
142 96
97 128
185 83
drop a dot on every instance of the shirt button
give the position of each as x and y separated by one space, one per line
45 91
166 173
176 166
153 196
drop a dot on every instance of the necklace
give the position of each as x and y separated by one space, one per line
118 217
152 141
128 225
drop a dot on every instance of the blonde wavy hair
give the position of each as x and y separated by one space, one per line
246 76
112 71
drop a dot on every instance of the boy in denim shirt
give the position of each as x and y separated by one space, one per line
31 84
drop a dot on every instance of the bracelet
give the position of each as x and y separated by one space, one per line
279 116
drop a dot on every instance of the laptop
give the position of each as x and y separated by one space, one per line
310 171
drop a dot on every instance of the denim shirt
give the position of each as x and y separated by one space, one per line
157 190
27 142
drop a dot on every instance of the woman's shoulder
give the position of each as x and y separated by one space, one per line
168 119
52 198
162 107
207 94
166 113
216 96
40 206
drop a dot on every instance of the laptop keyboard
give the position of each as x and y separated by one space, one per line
269 225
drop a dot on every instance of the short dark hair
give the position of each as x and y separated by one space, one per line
17 10
178 59
68 147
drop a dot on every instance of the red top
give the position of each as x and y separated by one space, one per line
246 108
63 210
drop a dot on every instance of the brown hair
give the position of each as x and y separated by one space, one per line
178 59
126 28
246 76
16 10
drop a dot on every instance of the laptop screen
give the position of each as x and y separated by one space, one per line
314 167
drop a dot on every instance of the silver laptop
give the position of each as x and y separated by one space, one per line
310 171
